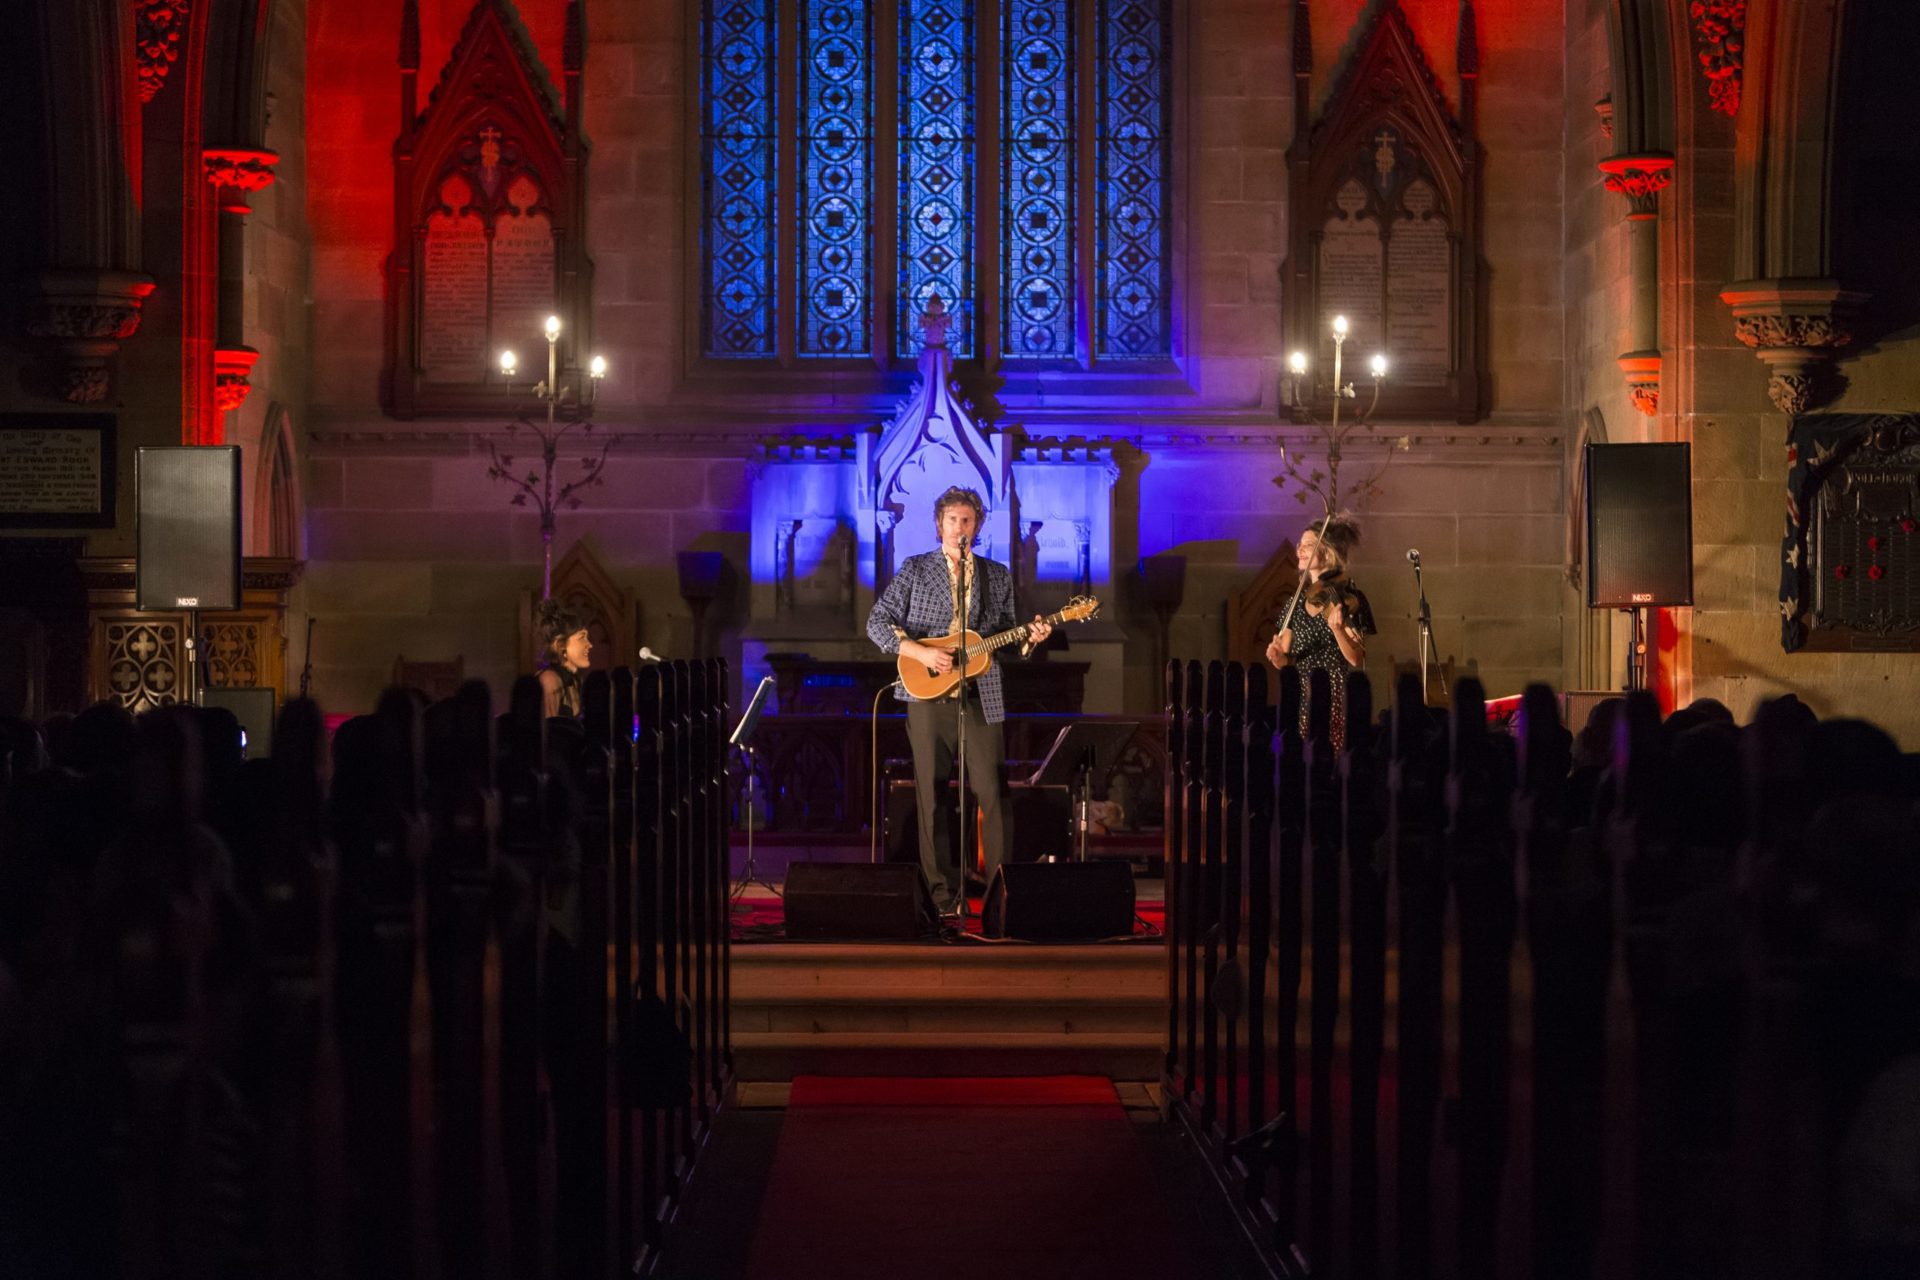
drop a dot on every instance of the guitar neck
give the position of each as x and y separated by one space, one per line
1006 638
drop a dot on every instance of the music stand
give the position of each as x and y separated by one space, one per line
1084 751
749 720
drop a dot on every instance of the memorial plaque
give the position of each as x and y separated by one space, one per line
1383 223
56 471
453 305
1419 290
1352 278
523 295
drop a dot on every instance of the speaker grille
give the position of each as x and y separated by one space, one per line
1639 525
189 527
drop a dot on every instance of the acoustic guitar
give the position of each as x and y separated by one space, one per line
976 654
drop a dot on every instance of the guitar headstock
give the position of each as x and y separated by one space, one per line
1079 609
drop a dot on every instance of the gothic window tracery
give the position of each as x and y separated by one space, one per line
850 174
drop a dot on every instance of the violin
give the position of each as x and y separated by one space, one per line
1331 588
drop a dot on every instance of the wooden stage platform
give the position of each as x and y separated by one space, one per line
949 1007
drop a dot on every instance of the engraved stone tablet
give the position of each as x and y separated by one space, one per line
1352 274
453 312
1419 293
50 472
523 295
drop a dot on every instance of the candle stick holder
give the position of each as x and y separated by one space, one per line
573 390
1300 474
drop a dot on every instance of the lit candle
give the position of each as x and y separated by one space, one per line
1297 362
1379 366
597 367
553 328
1340 326
508 363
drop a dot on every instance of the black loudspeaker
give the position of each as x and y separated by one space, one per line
857 901
188 530
1060 901
1639 525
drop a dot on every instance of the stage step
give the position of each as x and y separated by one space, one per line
1009 1009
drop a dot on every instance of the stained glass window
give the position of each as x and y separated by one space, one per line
1131 314
739 67
936 169
836 177
1036 200
795 94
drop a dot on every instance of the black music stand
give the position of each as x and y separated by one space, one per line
742 732
1083 753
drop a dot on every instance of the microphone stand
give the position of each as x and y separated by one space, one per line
1426 627
306 669
964 848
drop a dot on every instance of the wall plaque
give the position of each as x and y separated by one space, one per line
56 471
1850 562
488 223
1384 226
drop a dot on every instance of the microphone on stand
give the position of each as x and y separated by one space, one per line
647 655
1413 557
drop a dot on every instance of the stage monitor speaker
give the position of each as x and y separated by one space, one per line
1639 525
857 902
253 708
1060 901
188 528
1578 704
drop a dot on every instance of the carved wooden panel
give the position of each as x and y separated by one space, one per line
1384 224
140 657
1850 563
488 223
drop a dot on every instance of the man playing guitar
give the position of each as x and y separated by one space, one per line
925 600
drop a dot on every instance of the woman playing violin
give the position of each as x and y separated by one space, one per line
1329 626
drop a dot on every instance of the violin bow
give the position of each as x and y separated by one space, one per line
1286 619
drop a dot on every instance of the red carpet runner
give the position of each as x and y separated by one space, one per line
1009 1178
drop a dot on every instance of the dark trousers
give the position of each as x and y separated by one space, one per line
933 732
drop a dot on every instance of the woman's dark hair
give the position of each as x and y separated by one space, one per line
1342 533
553 622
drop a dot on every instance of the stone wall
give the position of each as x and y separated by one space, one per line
415 551
1739 437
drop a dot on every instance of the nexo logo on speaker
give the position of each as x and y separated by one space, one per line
186 602
1643 597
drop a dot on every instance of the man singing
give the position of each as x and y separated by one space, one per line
924 599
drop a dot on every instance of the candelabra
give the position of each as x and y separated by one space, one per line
1294 387
562 388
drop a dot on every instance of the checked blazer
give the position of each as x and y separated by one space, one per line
919 601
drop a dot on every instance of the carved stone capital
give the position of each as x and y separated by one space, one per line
1797 327
238 172
158 25
1642 370
1719 30
232 374
83 317
1641 179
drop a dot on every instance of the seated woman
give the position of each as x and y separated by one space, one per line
564 652
1330 624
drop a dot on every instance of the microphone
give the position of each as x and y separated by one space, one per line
1413 557
648 655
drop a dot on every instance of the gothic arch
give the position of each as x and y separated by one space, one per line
279 515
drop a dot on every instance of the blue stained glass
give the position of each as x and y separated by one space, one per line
1132 315
1036 192
739 52
834 240
936 169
